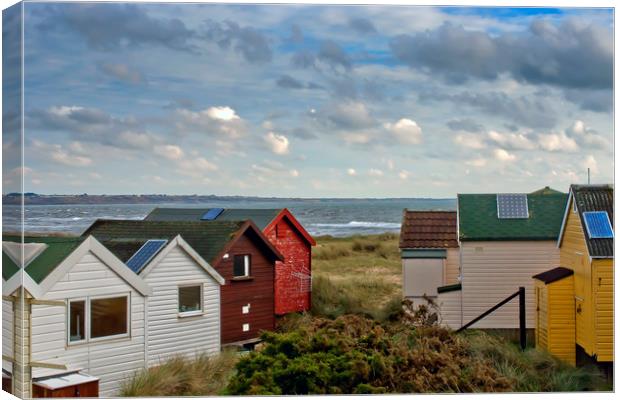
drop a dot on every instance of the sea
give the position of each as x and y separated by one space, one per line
335 217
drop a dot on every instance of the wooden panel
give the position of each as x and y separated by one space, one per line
90 389
603 287
450 308
494 270
258 292
292 277
452 267
169 334
561 309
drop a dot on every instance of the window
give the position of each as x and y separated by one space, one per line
241 266
108 317
246 327
190 299
97 318
77 320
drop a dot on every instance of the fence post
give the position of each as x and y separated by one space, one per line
522 335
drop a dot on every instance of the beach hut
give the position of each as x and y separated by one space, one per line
585 243
429 252
73 321
237 250
504 240
183 310
293 276
554 291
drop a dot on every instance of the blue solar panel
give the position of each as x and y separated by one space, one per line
598 225
212 214
145 254
512 206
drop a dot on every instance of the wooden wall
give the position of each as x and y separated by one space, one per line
452 267
258 292
168 333
493 270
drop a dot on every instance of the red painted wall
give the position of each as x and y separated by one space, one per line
293 285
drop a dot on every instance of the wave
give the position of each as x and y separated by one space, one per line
361 224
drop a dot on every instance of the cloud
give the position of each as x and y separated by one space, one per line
590 162
404 174
600 100
405 131
526 111
249 42
557 142
477 162
169 151
132 27
585 136
288 82
294 173
351 172
350 115
571 54
195 167
303 133
278 144
222 121
465 124
503 155
297 35
122 72
375 172
471 141
138 140
59 154
512 141
362 25
331 53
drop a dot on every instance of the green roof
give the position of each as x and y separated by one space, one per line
478 217
58 248
260 216
124 237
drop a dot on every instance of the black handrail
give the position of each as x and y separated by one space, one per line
521 294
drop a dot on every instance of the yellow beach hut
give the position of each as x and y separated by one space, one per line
586 248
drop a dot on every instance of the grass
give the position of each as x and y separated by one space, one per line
178 376
356 275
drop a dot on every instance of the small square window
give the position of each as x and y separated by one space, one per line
77 320
245 309
241 266
190 299
108 317
246 327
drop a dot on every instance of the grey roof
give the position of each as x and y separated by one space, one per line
595 198
261 217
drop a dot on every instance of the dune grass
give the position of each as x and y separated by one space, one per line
178 376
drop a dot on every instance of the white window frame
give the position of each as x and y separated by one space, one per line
86 319
202 305
87 325
111 337
246 266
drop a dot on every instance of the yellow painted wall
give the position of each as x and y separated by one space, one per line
603 288
555 322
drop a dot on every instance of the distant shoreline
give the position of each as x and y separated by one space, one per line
45 199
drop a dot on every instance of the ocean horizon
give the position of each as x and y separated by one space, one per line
321 216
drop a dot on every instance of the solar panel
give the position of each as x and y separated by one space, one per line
598 225
145 254
512 206
212 214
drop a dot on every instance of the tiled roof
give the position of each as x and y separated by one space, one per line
595 198
428 230
478 217
208 238
58 248
261 217
553 275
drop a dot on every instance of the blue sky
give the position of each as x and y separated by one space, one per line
314 101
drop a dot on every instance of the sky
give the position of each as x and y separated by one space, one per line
312 101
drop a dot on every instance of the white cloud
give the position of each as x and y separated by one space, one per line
294 173
351 172
356 138
470 140
403 174
135 139
477 162
390 164
512 140
60 155
557 142
503 155
405 131
278 144
169 151
590 162
375 172
196 167
222 113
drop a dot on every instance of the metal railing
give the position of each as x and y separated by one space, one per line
521 294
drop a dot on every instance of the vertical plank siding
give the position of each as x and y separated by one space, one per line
603 283
258 292
561 319
493 270
169 334
292 277
452 267
7 332
111 360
